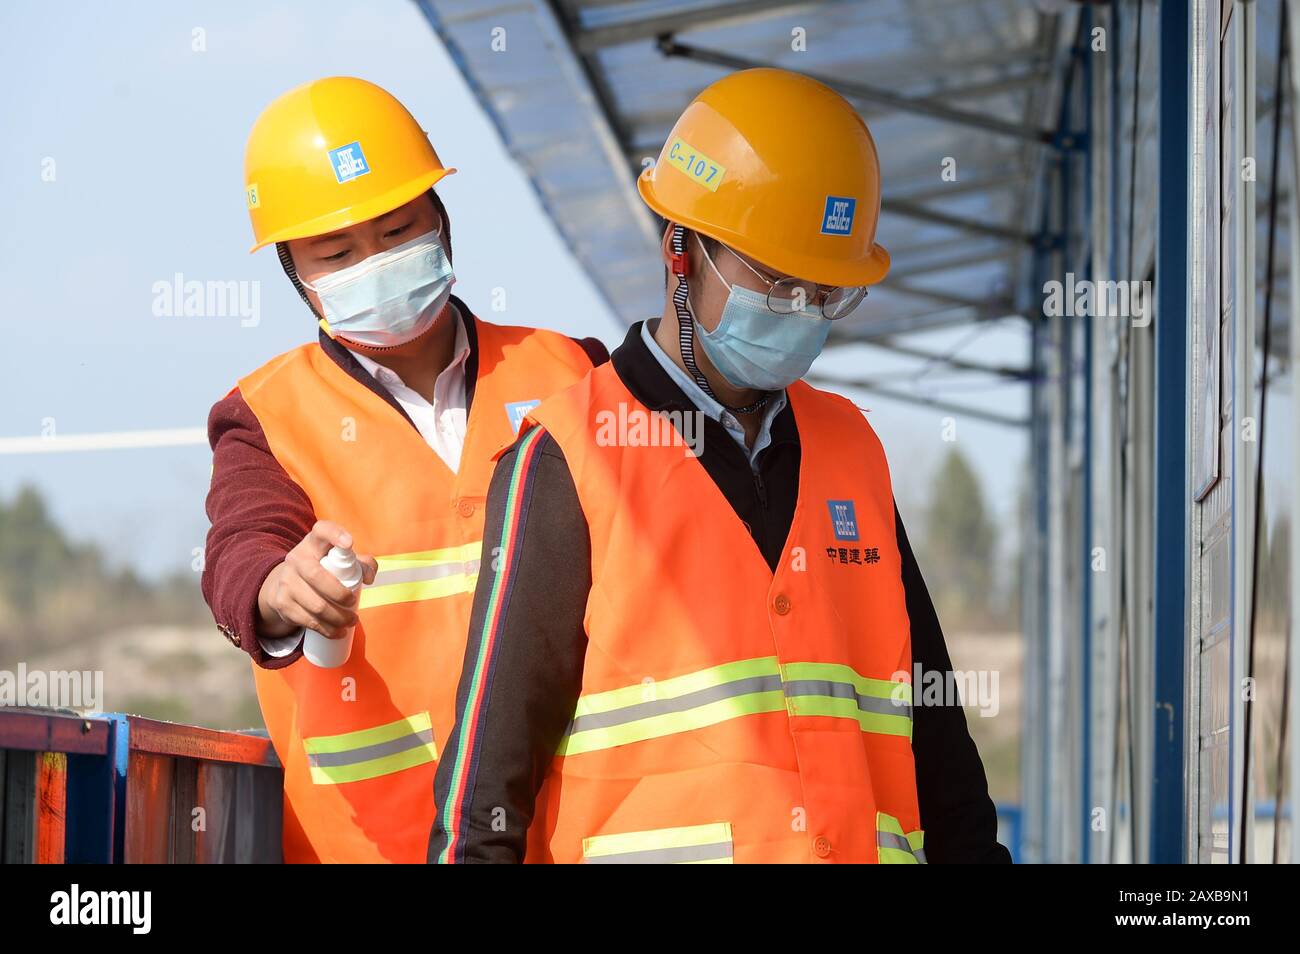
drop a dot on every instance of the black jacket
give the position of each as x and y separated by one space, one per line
539 647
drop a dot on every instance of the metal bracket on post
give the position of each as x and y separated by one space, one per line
1066 140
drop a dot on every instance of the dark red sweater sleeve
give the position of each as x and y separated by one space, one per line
258 515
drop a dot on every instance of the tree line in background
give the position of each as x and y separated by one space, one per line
56 592
975 586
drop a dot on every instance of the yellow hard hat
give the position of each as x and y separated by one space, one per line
779 167
332 153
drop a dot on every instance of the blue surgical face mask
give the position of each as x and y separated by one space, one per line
753 347
390 298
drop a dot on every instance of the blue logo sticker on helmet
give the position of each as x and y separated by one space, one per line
348 162
844 520
518 410
838 218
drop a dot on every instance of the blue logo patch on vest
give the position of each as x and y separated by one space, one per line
838 218
348 162
844 520
518 410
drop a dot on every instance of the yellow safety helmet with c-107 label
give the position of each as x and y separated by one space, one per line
332 153
779 167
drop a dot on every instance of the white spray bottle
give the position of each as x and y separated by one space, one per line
321 650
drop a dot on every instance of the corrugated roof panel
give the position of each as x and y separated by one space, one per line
587 93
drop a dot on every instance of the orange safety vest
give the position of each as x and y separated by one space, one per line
728 713
359 743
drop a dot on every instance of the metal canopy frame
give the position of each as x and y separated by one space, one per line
638 62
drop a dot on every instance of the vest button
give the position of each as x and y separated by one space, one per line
821 846
781 604
465 508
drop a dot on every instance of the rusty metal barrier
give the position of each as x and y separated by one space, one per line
122 788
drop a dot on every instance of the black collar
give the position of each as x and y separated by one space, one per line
650 384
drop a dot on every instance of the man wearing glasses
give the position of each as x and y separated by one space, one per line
705 653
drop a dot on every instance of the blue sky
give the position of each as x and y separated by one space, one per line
145 140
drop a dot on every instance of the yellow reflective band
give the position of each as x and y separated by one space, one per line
893 846
880 688
694 844
453 585
361 737
848 709
467 551
721 710
423 575
832 689
370 753
374 768
657 708
678 686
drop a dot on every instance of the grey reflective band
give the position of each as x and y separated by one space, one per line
666 856
708 844
656 707
733 690
846 690
887 839
371 752
367 752
424 575
416 573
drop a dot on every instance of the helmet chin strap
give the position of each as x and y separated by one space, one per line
686 325
286 262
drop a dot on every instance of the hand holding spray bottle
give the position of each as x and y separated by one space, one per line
321 650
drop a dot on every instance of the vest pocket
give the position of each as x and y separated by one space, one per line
896 847
695 844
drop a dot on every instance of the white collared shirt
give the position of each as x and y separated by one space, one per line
442 424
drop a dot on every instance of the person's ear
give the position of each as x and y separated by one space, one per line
666 255
666 245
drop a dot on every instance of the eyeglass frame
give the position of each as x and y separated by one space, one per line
772 284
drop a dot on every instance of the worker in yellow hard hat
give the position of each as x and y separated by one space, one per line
349 473
702 636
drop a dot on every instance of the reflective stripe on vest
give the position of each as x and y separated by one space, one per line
424 575
696 844
895 847
654 709
370 753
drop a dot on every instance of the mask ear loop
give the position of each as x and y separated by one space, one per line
286 262
679 263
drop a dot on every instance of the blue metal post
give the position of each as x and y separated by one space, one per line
96 804
1168 795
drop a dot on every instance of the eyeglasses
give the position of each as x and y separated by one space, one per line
786 296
